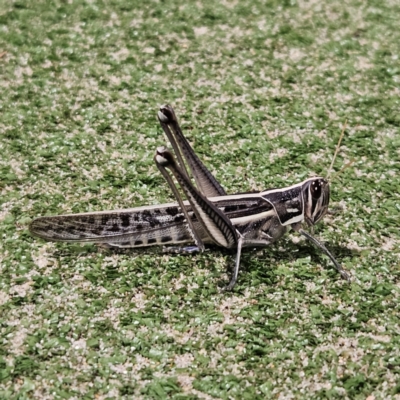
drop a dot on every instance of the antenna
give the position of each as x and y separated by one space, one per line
337 150
345 167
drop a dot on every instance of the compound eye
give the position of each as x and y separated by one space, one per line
316 188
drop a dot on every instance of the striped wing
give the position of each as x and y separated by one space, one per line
142 226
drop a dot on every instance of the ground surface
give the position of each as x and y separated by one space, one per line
263 90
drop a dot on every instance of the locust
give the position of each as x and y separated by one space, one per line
208 215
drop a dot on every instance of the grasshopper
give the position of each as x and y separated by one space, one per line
209 215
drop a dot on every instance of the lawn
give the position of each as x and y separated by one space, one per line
263 90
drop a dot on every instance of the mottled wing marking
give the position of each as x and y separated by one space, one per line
142 226
112 227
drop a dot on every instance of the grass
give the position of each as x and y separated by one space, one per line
263 90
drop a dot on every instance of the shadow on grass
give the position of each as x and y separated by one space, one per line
262 265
